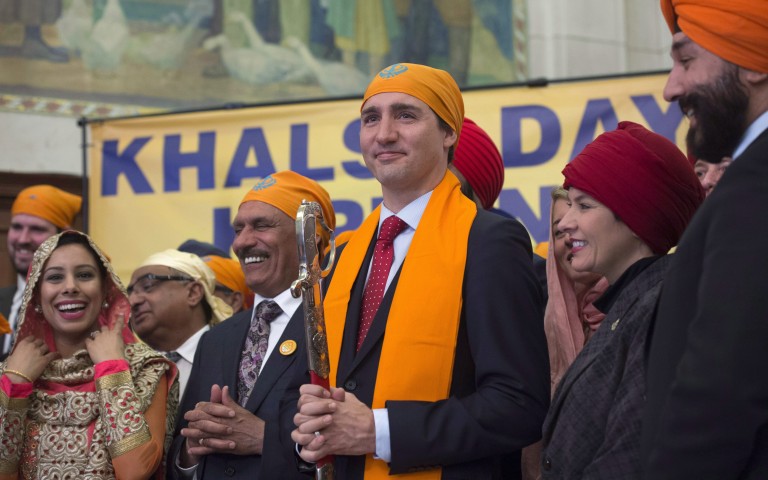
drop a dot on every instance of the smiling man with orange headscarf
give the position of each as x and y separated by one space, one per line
434 316
706 412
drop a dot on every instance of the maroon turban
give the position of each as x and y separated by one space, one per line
643 178
478 159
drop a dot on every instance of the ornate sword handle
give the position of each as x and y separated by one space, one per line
307 286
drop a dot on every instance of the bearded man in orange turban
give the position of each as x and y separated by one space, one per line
37 213
706 412
438 357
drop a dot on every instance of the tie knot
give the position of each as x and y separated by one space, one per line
268 310
173 356
391 228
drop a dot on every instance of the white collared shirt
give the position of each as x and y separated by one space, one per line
410 214
13 318
750 135
187 352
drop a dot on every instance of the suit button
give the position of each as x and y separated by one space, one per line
350 385
546 464
230 470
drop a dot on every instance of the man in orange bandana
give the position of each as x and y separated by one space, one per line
242 366
37 213
434 318
706 412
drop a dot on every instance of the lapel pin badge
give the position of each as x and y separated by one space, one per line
287 347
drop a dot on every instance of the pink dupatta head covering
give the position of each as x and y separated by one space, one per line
568 322
34 323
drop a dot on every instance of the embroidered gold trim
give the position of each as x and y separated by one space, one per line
13 403
129 443
108 382
7 467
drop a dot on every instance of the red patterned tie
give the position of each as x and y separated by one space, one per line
383 255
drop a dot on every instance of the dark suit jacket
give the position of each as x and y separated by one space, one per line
217 360
707 412
6 299
499 390
593 426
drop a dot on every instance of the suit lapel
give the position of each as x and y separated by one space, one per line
379 324
277 363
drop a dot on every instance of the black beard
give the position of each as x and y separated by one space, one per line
720 109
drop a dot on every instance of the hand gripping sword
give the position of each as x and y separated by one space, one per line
308 287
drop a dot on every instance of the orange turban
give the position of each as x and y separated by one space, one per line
49 203
229 274
734 30
436 88
285 190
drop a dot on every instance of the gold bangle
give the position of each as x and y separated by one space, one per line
16 372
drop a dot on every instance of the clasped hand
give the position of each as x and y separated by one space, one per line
332 423
221 426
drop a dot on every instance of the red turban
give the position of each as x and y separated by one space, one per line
643 178
478 159
734 30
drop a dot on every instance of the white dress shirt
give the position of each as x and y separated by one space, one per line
13 318
187 352
410 214
750 135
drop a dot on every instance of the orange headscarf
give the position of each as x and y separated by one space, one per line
436 88
734 30
49 203
229 274
285 190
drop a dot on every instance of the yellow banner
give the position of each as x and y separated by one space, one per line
159 180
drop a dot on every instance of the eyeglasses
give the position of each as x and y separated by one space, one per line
146 283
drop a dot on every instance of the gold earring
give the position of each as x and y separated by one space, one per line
38 308
105 305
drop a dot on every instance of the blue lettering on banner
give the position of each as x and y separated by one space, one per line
511 135
115 164
223 234
352 211
512 202
299 155
352 141
203 160
252 139
597 110
665 124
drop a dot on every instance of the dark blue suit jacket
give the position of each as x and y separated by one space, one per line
216 362
500 385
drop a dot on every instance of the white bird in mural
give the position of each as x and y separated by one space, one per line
167 50
75 25
285 64
336 78
104 48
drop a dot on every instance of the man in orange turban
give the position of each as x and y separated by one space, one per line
706 414
242 366
37 213
433 314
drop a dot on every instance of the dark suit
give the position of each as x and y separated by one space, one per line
6 301
217 361
499 390
593 426
707 411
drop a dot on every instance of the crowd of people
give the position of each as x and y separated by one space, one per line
454 352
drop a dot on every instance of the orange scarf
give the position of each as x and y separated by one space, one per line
418 332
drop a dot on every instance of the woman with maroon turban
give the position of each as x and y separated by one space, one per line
631 194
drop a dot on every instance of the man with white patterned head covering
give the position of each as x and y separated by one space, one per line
173 305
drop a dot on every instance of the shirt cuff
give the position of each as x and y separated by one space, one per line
383 444
184 473
108 367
